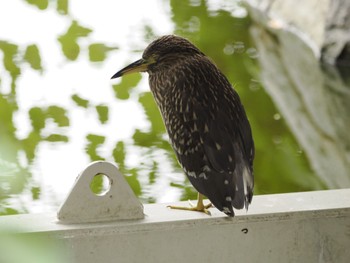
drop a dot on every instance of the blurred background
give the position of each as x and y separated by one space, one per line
59 110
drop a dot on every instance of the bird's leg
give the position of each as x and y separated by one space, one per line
200 207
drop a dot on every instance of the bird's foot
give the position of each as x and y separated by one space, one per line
203 209
200 207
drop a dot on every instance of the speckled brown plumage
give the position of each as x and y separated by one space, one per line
206 122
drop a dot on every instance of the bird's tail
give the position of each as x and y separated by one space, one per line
243 188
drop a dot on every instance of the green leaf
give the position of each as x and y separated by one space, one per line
68 40
7 109
75 30
134 182
57 138
119 155
32 56
102 111
41 4
152 112
80 101
5 211
62 7
153 173
149 34
10 53
98 52
96 184
70 48
37 118
59 116
30 143
94 141
128 82
145 139
36 191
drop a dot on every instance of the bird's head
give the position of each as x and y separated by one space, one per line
161 53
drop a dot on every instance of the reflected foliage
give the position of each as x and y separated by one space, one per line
127 84
62 7
41 4
94 141
102 111
39 118
15 174
131 173
32 56
98 52
80 101
152 113
68 41
280 164
9 51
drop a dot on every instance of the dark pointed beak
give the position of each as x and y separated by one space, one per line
140 65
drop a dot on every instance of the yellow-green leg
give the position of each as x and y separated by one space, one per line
200 207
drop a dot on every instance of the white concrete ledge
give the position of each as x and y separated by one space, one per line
295 227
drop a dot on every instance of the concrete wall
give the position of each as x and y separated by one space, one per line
297 227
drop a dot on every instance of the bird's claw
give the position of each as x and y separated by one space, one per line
198 208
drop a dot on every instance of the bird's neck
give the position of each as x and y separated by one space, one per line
159 88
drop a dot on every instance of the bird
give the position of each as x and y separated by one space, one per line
205 120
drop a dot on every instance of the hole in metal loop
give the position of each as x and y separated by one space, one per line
100 184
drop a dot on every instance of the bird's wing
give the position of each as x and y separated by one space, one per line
241 125
228 147
222 129
216 147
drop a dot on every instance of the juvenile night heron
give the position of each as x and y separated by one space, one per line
206 122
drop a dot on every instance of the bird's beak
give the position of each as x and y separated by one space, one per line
140 65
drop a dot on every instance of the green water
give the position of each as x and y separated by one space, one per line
45 141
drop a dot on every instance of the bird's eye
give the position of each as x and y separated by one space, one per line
151 59
154 58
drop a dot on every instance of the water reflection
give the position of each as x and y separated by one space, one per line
312 97
47 138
